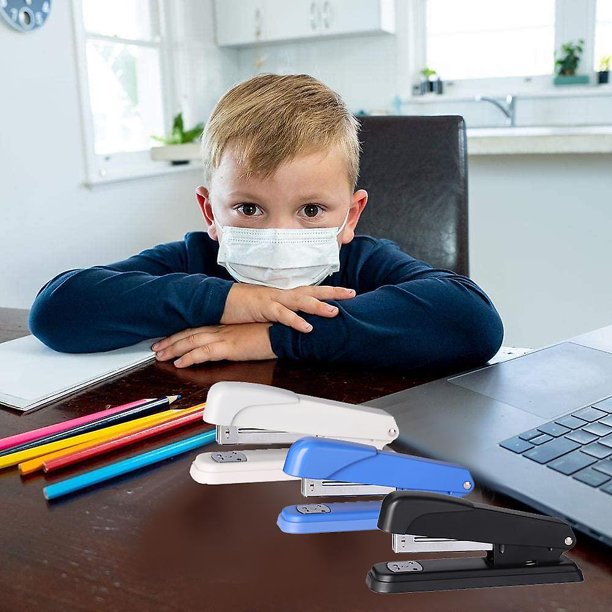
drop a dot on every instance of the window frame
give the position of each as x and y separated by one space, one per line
574 19
124 165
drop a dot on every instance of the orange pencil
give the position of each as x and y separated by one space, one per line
121 441
35 462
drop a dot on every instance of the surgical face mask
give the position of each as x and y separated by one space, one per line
281 258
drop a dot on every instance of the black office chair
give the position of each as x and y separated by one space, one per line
415 172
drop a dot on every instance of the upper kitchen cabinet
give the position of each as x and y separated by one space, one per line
247 22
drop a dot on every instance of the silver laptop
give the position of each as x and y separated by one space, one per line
536 427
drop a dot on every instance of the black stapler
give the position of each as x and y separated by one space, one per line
522 548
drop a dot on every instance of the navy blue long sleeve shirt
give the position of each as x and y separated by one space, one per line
405 313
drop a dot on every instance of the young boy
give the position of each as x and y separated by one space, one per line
281 159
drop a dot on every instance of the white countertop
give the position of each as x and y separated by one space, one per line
539 140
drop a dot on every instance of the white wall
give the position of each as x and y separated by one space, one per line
541 242
49 221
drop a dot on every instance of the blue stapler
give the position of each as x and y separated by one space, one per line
328 466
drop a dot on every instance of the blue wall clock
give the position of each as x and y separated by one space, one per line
25 15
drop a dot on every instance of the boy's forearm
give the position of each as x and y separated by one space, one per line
100 309
434 322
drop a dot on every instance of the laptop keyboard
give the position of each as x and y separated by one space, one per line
578 445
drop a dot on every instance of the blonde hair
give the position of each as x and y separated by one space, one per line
269 119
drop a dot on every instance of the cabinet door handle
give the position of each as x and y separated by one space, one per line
313 15
326 14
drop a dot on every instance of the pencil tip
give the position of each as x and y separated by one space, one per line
173 398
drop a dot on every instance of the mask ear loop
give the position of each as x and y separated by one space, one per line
344 222
220 228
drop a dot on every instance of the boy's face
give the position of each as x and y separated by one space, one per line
312 190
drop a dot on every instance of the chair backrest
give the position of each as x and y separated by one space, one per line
415 172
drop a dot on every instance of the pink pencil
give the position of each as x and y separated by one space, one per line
35 434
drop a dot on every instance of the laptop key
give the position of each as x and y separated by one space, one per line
597 450
605 405
532 433
606 420
589 414
598 429
607 488
571 421
543 438
553 429
607 440
572 462
551 450
604 466
591 477
582 437
516 445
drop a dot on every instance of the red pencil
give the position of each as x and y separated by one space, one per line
121 441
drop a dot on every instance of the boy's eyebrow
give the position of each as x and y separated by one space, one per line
240 194
313 197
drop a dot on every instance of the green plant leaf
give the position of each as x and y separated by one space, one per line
193 133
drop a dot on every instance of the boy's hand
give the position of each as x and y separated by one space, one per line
253 303
249 341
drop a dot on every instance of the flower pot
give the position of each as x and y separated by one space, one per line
571 79
603 77
177 155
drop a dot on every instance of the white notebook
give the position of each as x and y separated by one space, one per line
32 374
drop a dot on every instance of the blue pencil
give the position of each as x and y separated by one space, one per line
70 485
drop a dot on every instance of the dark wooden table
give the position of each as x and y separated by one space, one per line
156 540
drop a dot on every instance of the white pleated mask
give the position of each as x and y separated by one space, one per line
281 258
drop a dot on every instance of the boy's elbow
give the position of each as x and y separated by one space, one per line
55 324
47 324
487 335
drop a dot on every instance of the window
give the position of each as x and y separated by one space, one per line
122 54
603 31
490 38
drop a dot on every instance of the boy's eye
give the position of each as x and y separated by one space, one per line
249 210
311 210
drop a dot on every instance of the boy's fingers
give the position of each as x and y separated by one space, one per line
165 342
184 345
311 305
291 319
208 352
329 293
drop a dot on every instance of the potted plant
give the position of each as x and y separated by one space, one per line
430 81
567 63
603 70
179 136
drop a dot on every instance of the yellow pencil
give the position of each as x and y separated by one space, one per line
35 464
24 455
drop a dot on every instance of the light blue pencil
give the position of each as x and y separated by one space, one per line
70 485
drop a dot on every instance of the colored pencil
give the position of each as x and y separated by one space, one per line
113 419
71 485
37 463
118 442
35 434
44 449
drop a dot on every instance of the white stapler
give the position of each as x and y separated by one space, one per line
248 413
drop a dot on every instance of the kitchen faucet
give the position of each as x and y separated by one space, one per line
508 109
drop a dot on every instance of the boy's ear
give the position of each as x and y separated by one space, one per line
359 201
203 199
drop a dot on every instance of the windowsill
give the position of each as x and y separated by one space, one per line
159 169
540 140
560 91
